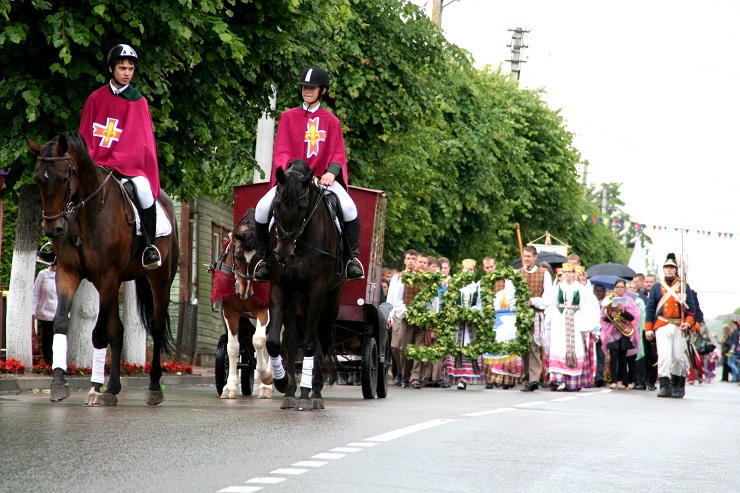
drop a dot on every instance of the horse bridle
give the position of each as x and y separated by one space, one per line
294 235
70 207
229 269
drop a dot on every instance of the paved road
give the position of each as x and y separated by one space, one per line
415 440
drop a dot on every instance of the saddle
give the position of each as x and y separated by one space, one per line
164 226
130 189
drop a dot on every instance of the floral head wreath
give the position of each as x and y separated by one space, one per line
469 262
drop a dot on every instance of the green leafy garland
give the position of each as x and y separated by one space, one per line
445 323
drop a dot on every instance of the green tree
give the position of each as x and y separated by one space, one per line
207 68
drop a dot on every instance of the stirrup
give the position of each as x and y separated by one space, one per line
354 261
151 265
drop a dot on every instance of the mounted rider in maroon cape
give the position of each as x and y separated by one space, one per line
91 219
314 135
119 133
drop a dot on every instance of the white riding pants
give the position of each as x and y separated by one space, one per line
349 209
143 190
672 358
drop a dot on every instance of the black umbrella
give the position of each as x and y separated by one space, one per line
610 269
554 259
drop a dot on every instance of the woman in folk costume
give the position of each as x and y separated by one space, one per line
573 310
462 369
588 375
620 318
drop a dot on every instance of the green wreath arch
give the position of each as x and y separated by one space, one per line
445 322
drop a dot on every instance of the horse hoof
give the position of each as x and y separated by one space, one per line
226 394
59 392
303 405
318 403
94 399
97 399
264 393
154 397
288 403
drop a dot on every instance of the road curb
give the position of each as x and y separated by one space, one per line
14 384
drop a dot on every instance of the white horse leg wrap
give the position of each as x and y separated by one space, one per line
98 369
277 367
307 371
59 352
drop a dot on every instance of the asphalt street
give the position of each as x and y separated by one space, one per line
442 440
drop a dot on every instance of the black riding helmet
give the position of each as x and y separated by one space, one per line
121 52
314 76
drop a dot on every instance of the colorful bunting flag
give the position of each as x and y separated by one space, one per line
621 223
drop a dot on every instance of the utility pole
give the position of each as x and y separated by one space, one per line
604 196
437 13
265 142
516 50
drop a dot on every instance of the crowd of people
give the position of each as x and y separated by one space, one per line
632 335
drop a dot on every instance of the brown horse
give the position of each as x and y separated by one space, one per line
240 297
307 278
91 222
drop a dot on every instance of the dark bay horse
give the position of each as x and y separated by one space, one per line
91 223
240 297
307 278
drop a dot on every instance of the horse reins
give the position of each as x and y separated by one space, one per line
221 265
294 236
71 208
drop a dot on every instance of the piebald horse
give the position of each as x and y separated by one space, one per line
243 298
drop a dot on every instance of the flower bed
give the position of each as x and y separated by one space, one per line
13 366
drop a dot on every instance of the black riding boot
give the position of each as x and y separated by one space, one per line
665 387
262 269
354 270
150 259
678 386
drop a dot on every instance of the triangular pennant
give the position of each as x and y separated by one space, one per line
584 217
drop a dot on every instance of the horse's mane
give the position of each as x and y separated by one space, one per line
245 230
75 145
293 186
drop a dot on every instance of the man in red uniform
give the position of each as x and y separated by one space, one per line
314 135
669 314
119 133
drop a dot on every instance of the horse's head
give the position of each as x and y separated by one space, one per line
293 206
56 175
241 259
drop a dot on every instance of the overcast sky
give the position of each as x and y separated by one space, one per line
650 90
